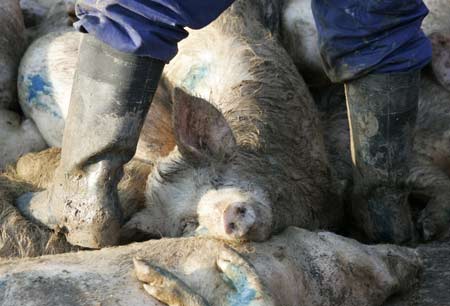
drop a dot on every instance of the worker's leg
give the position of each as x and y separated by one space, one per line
146 27
111 95
382 112
378 49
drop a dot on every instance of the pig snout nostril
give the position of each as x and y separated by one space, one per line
241 210
232 226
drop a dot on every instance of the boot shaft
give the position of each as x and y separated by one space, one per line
111 96
382 112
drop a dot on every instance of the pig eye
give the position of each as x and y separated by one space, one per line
232 226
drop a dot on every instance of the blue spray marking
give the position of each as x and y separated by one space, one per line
244 294
38 88
37 85
195 75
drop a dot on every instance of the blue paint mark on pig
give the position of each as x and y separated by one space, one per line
40 95
244 294
37 86
195 75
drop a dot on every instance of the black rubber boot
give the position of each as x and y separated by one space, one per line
111 95
382 112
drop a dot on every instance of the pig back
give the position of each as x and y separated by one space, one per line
438 20
11 49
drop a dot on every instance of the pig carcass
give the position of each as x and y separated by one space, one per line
250 153
299 37
42 96
250 157
441 58
438 20
60 16
12 44
437 26
17 137
297 267
38 12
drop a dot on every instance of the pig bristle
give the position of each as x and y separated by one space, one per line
19 237
269 110
34 172
38 168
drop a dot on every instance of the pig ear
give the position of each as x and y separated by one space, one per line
441 58
201 131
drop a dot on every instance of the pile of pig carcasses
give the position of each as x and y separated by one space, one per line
276 151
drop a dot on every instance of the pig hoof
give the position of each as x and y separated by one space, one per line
165 286
434 220
247 288
404 264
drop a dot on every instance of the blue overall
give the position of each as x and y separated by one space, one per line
356 37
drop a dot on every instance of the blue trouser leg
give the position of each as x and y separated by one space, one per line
372 36
377 48
150 28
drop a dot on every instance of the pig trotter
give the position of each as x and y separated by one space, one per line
166 287
110 99
239 273
245 285
382 112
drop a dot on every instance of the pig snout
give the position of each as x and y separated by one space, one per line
238 220
231 214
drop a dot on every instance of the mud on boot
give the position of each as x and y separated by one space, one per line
110 100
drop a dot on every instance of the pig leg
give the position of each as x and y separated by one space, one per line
246 287
166 287
434 220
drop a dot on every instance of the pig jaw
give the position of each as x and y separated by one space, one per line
233 214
